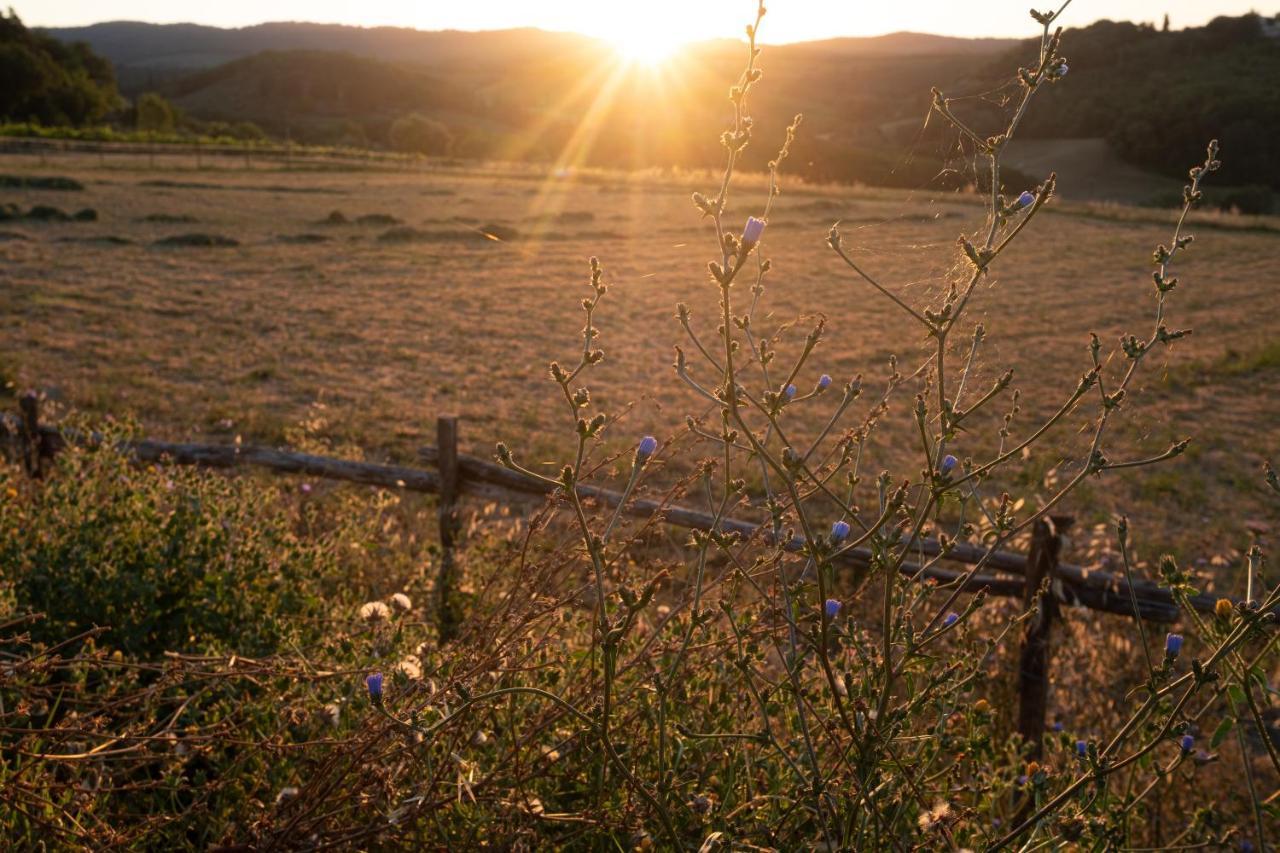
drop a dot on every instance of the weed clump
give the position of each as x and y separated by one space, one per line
377 219
47 213
37 182
197 241
169 219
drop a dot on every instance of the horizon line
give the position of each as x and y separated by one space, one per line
531 28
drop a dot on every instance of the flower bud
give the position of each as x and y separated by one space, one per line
951 619
948 462
1186 742
839 531
790 391
832 608
1222 608
1172 645
1082 748
648 445
751 233
374 682
1026 199
824 382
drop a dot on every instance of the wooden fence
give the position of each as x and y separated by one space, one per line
457 475
264 153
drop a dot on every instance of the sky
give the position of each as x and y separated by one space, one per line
629 20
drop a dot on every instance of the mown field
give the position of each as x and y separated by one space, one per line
462 284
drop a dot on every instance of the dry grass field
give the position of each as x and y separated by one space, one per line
365 332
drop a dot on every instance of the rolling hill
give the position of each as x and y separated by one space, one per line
525 94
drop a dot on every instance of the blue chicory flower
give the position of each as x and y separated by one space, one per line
951 619
752 232
1172 645
790 391
374 682
1026 199
1082 748
1186 742
832 608
648 445
824 382
948 463
839 531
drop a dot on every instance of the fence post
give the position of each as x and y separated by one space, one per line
446 604
29 404
1033 664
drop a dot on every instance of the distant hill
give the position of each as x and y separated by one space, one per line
1154 97
145 54
1157 97
522 93
135 45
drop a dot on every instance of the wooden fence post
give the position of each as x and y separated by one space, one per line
29 404
1033 664
446 603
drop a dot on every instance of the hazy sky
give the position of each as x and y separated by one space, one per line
788 20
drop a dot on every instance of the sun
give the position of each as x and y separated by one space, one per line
647 46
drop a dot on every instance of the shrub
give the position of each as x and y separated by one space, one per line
153 114
417 134
165 561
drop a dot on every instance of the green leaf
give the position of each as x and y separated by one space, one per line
1236 692
1223 729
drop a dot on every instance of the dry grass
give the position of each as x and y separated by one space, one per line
386 335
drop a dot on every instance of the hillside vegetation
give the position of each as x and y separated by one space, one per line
1156 96
47 80
534 95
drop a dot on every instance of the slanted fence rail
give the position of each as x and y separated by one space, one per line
457 475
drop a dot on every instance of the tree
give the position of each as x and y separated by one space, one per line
44 80
417 134
154 113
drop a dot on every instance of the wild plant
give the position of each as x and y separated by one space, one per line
754 708
807 670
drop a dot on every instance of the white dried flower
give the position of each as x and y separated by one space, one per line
410 667
375 611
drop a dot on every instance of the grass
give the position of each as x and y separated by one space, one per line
352 346
242 341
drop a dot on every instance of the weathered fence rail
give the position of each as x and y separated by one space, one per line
1073 585
1004 573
